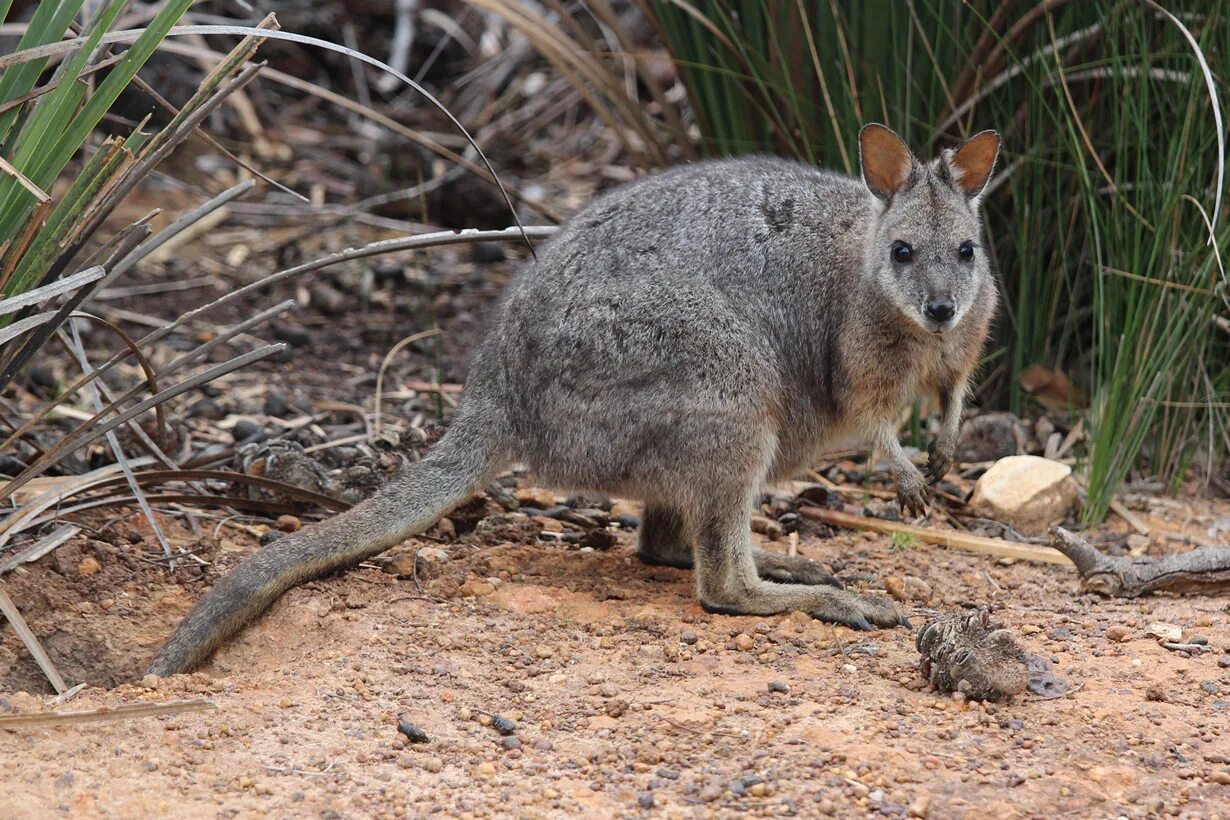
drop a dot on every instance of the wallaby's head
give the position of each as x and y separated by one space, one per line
924 247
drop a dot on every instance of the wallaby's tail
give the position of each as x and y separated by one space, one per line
424 492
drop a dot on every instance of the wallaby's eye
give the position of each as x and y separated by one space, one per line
902 253
966 251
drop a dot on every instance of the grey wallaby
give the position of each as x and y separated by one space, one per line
683 340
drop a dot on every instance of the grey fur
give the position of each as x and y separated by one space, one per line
683 340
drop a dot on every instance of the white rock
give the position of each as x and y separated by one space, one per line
1028 493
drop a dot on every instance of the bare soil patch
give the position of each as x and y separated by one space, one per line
626 697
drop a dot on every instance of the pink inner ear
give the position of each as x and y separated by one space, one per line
886 160
973 161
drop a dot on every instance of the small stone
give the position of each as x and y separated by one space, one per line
758 789
433 764
645 800
744 642
920 806
908 588
269 536
778 686
485 769
690 638
413 733
536 497
1118 633
432 555
246 430
400 565
503 725
288 523
511 742
474 588
89 566
1220 776
151 681
485 253
1163 631
1029 493
1155 692
293 335
543 651
1224 661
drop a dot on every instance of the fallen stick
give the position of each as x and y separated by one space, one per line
10 611
131 710
1204 570
944 538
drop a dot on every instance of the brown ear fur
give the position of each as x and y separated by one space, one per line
888 165
972 162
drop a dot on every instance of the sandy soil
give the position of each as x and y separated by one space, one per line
627 698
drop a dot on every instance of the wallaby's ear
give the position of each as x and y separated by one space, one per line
970 164
888 165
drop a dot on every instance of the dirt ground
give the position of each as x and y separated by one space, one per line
624 697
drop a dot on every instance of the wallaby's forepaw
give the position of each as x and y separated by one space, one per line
912 493
863 612
792 569
939 462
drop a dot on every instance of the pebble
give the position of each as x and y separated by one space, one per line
503 725
744 642
778 686
1224 661
276 405
908 588
690 638
485 769
413 733
645 800
291 334
1222 777
269 536
921 806
245 430
485 253
288 523
543 499
89 566
474 588
1118 633
511 742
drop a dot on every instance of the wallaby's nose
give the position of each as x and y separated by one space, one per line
941 310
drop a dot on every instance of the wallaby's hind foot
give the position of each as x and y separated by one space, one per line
728 580
792 569
665 542
838 606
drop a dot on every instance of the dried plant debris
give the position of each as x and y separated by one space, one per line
967 652
1205 570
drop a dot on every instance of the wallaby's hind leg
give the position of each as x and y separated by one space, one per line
666 541
727 579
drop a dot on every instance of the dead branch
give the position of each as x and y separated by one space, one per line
944 538
1205 570
130 710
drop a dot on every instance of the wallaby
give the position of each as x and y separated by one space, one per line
683 340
